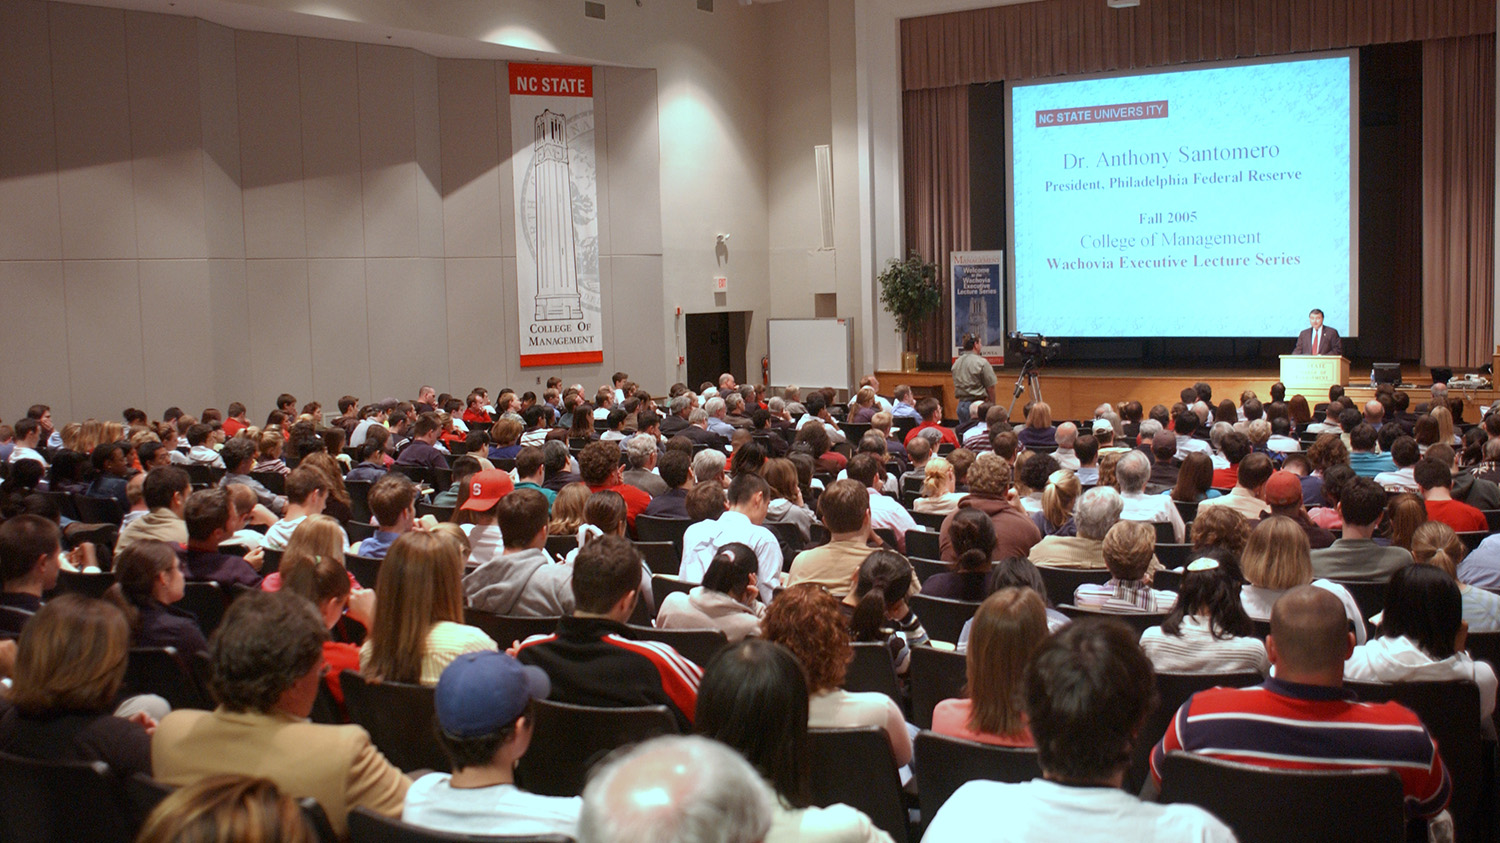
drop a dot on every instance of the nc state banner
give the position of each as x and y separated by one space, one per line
557 216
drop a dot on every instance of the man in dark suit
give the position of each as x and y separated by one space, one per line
1319 338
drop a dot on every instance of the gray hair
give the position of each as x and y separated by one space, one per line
1149 428
1100 410
697 416
1217 433
1201 410
701 791
1132 471
681 402
715 406
1259 430
640 448
708 464
1492 449
1114 421
1097 511
796 408
735 401
1066 435
776 405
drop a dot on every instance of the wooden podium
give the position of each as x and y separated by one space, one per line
1312 374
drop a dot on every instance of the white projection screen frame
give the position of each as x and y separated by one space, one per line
1122 288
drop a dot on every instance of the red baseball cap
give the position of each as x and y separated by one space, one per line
487 487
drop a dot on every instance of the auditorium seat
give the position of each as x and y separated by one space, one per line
1138 621
567 740
98 510
661 557
88 585
936 675
507 629
696 645
931 520
855 767
167 673
271 561
925 568
358 531
871 670
399 717
366 826
942 618
207 601
1174 555
1062 582
1172 690
664 584
441 513
649 528
53 801
923 543
366 570
944 764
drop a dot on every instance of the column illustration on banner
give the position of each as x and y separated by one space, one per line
557 255
978 302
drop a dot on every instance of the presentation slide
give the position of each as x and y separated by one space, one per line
1213 202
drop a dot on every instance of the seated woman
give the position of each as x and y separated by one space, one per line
1436 544
1421 638
806 620
1039 431
939 495
419 628
754 699
505 439
148 580
567 510
1008 628
815 436
1334 478
1195 479
1129 547
864 407
268 453
323 581
1058 498
728 600
1017 572
70 666
1277 559
1404 513
877 608
787 506
973 536
1208 630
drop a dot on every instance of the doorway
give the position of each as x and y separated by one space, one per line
715 345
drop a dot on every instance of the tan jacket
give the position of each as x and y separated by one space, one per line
158 524
336 765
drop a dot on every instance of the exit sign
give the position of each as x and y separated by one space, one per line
721 283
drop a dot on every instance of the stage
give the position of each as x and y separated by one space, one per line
1074 391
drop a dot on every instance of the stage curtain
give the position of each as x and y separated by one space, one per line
935 134
1458 200
1060 37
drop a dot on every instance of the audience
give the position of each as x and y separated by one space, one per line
1435 544
675 468
1356 556
523 580
1208 630
165 492
30 558
939 495
749 499
1097 511
1131 472
227 807
973 537
989 492
1276 560
1436 482
211 518
877 607
1128 552
323 581
393 502
1245 498
1008 628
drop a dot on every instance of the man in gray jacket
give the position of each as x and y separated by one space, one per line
1355 557
523 580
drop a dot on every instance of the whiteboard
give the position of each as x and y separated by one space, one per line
811 353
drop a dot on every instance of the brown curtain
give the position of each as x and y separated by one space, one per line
1458 200
935 135
1058 37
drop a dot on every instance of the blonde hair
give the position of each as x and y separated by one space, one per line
1435 543
933 474
317 537
227 807
1444 419
453 531
1058 498
270 443
1128 547
567 510
71 656
1277 556
865 397
1040 415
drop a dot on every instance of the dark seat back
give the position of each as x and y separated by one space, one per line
1062 582
98 510
661 557
664 584
399 718
563 545
165 672
696 645
359 530
271 561
55 801
359 500
507 629
441 513
923 543
207 601
1263 805
649 528
1173 555
855 767
569 739
1138 621
936 675
366 569
89 585
366 826
871 670
1369 596
942 618
925 568
931 520
944 764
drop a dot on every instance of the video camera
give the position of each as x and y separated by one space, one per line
1033 349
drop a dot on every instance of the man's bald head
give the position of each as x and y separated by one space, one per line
1374 411
1309 634
1067 435
1164 446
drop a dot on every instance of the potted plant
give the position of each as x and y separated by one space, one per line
910 292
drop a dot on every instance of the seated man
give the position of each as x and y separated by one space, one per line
845 505
1436 482
523 580
211 518
1355 557
393 502
1364 455
1404 453
464 468
267 666
1089 690
200 447
30 554
165 491
676 470
1235 448
111 468
1096 512
1301 718
1283 494
483 703
749 498
1132 472
884 511
1067 437
239 460
599 464
306 494
932 417
1128 554
989 492
642 452
592 660
1245 498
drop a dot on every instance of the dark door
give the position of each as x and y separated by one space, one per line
708 347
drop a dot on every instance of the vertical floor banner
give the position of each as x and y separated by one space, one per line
979 302
557 214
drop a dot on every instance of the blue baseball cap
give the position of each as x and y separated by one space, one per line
480 692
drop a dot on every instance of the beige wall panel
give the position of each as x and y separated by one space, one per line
429 155
166 135
408 313
469 135
479 322
640 324
224 217
91 106
279 331
387 139
30 228
35 289
176 303
103 298
602 169
270 125
632 152
340 332
330 148
507 174
229 319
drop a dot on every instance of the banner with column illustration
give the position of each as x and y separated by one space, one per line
978 302
556 213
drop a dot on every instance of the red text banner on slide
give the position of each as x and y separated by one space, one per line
1082 115
551 80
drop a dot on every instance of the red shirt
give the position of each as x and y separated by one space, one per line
476 417
1226 478
1458 515
945 432
233 426
636 500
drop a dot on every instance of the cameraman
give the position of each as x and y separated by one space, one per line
973 378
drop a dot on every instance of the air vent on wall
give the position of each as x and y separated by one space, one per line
593 10
705 5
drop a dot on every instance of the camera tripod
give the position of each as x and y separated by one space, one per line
1030 377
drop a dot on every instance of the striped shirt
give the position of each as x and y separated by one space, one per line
1195 649
1287 725
1119 595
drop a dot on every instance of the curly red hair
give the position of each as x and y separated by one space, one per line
806 620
